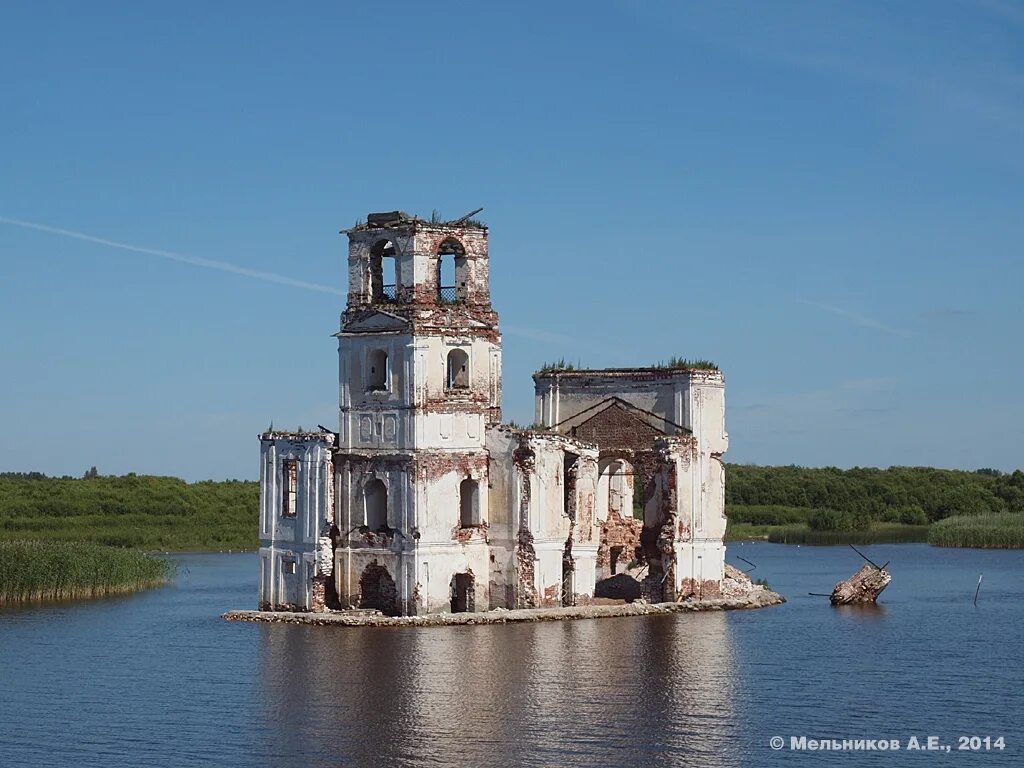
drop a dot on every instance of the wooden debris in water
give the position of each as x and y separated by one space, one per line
863 587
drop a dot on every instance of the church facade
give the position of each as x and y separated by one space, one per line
422 501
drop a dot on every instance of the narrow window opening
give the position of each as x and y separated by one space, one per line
458 369
375 498
613 556
569 484
378 376
289 487
469 503
289 566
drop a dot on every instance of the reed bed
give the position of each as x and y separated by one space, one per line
1004 530
33 571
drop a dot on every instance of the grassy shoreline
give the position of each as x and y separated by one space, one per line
1004 530
800 533
38 571
784 504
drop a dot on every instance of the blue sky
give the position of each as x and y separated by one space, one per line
825 198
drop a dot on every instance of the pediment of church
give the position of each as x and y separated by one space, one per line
376 321
617 423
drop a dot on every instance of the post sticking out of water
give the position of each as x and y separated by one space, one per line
980 577
752 566
881 568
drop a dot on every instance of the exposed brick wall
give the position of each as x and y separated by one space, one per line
617 532
615 427
377 590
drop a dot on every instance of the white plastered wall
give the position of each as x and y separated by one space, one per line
292 543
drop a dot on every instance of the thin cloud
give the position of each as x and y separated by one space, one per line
869 385
862 320
867 411
947 313
181 258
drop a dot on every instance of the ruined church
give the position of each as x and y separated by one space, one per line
423 501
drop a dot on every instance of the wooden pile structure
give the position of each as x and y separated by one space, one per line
863 587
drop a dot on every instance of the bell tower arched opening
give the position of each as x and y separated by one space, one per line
452 272
384 273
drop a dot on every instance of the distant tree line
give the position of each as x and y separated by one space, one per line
168 513
851 499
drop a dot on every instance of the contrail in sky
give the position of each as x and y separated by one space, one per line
223 266
861 320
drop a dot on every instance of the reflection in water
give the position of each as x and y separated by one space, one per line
157 679
563 693
862 612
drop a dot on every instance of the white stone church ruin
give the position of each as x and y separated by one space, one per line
424 502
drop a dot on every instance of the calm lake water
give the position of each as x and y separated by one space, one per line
157 679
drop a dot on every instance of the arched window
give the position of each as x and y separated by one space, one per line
451 261
375 498
384 282
458 370
290 487
615 489
469 503
377 374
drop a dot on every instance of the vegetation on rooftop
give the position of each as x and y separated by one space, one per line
685 364
472 221
435 218
674 363
561 364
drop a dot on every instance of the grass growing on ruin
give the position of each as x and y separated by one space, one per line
686 364
46 570
999 531
561 364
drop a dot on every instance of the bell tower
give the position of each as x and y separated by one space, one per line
419 355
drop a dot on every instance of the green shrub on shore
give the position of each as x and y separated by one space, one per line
55 570
1000 531
139 511
912 495
766 514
